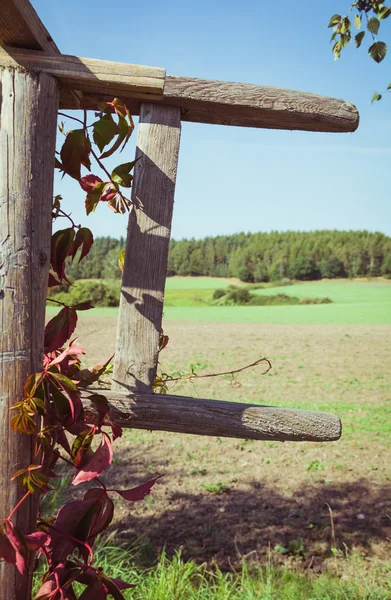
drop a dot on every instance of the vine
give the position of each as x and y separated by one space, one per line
51 410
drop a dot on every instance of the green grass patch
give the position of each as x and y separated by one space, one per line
188 297
312 314
177 579
340 291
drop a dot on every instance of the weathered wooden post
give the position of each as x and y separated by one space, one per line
28 118
144 278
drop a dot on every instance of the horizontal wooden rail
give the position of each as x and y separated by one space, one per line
214 417
200 100
224 103
90 75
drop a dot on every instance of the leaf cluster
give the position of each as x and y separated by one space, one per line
368 17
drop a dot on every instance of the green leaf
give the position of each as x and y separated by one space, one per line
389 86
359 38
344 40
376 97
33 381
93 197
121 257
335 19
121 174
104 131
377 51
75 152
357 21
345 27
373 25
333 36
64 381
125 131
384 12
337 50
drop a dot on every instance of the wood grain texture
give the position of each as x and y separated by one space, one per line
148 239
215 417
245 105
223 103
20 27
90 75
28 119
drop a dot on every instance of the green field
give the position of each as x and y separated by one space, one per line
353 303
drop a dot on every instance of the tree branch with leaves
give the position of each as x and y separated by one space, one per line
367 16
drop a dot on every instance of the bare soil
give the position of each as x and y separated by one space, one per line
222 499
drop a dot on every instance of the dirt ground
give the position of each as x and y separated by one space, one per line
222 499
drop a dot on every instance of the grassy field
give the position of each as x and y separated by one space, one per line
252 519
353 303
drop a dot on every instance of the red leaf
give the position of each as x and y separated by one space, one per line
60 245
16 540
7 551
52 281
103 511
109 192
83 239
113 586
102 459
83 306
94 591
75 152
70 350
139 492
116 430
48 590
68 521
67 404
122 585
89 182
36 540
59 329
63 440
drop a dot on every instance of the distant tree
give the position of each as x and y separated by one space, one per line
245 274
331 268
367 16
386 267
110 268
303 268
255 257
260 272
278 270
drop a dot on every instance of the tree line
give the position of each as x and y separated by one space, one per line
258 257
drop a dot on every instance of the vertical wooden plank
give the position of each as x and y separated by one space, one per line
147 244
28 118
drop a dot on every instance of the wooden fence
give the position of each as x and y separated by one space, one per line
36 79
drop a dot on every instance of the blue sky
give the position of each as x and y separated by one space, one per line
234 179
